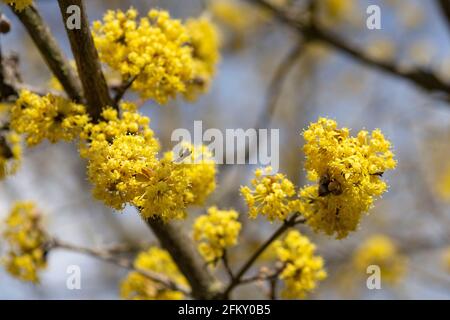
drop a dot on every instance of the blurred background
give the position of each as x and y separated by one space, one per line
321 81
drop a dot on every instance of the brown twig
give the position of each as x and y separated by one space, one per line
424 79
181 248
108 256
50 51
445 6
292 221
88 64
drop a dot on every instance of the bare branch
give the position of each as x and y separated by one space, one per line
445 6
421 78
181 248
292 221
88 64
50 51
108 256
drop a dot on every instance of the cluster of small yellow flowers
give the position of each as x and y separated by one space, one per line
236 15
19 5
114 168
381 251
301 268
205 51
272 195
137 286
200 169
348 173
50 117
26 241
165 191
113 125
216 231
153 51
336 10
10 153
177 182
119 149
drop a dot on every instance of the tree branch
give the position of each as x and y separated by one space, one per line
421 78
445 6
50 51
181 248
88 64
108 256
292 221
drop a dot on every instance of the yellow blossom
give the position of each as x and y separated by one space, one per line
19 5
200 169
336 10
50 117
10 153
272 195
301 269
152 50
348 173
381 251
138 287
26 242
216 231
204 39
130 122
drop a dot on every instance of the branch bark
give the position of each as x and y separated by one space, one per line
424 79
445 6
50 51
181 248
108 256
292 221
95 89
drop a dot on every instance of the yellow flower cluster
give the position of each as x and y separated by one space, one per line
301 268
166 191
216 231
26 240
236 15
19 5
205 51
177 182
137 286
272 195
336 10
10 153
152 50
124 168
200 170
381 251
348 173
118 150
50 117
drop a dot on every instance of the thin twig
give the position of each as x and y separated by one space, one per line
237 279
424 79
108 256
227 265
50 51
122 89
